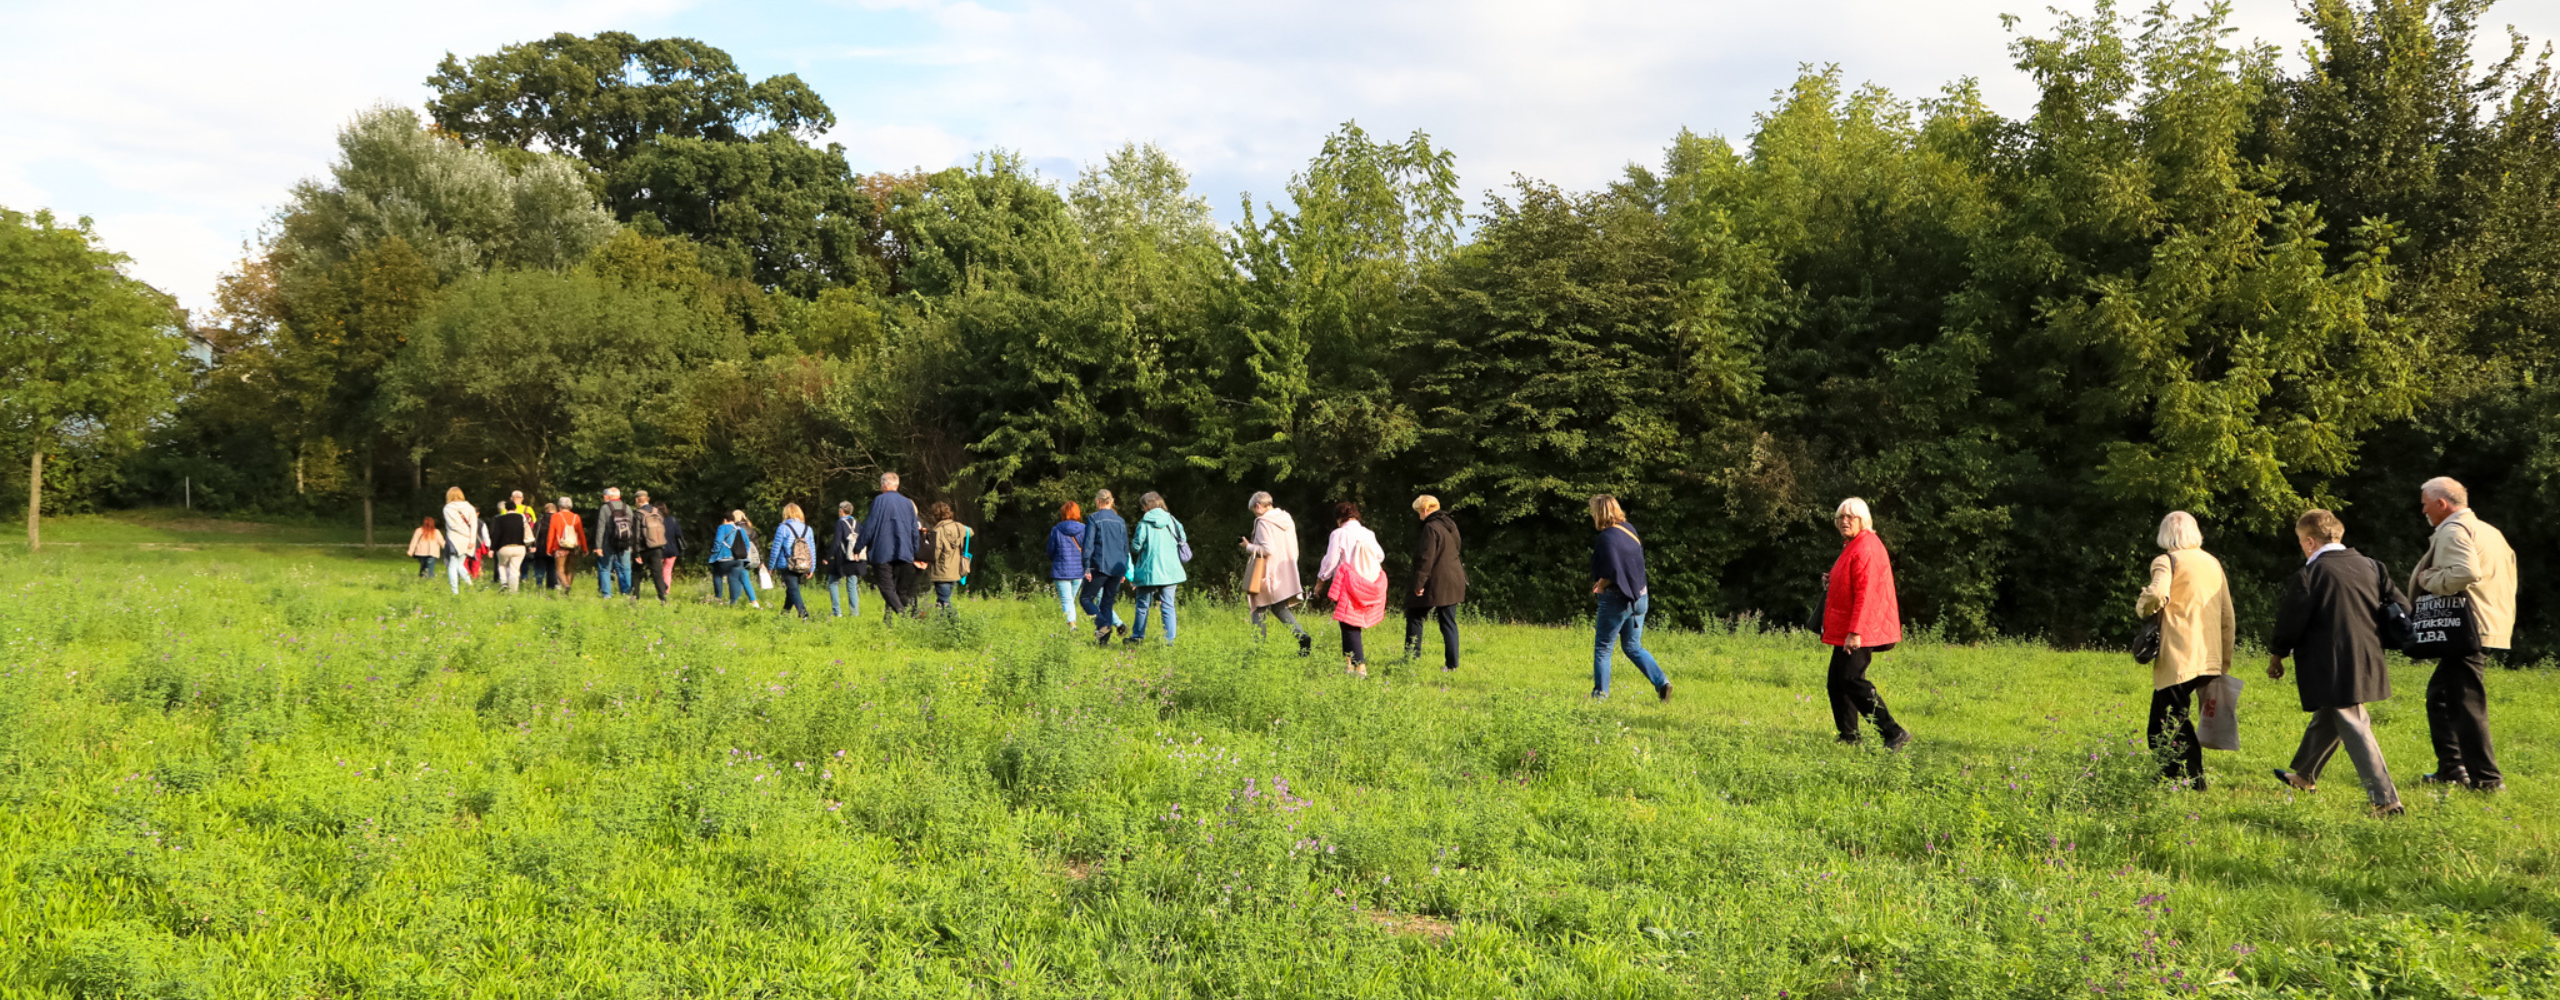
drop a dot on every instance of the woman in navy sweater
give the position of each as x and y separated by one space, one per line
1617 577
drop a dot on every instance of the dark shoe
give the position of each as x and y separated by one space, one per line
2296 781
2491 785
2444 778
1306 646
1847 739
2392 811
2199 783
1123 628
1898 740
1599 695
1448 668
1662 693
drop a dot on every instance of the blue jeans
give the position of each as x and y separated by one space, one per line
1621 623
613 568
741 582
1067 597
851 603
791 593
1099 599
1161 595
942 594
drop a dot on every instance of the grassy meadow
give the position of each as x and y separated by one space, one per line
233 770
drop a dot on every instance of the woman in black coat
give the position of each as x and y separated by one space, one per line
2330 624
1439 582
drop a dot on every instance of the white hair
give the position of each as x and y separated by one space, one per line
613 493
1856 508
1260 499
2447 489
889 480
564 502
2179 532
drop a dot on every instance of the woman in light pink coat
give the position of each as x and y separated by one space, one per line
1274 547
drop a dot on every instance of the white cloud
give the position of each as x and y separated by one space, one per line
186 123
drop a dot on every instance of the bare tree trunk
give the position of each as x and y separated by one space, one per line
35 500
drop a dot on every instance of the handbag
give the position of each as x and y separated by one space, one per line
1253 575
1181 542
2146 642
764 578
2218 714
2390 618
1821 605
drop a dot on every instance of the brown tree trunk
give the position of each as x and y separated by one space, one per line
35 500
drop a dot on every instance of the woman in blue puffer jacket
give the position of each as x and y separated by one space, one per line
1066 557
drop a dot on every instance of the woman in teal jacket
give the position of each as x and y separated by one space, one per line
1157 549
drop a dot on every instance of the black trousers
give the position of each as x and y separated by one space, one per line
893 599
2172 730
1353 646
1852 696
2458 718
649 560
1448 616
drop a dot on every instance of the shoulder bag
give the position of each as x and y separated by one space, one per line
2389 617
2146 643
2442 627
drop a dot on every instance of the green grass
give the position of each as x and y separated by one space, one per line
298 773
173 527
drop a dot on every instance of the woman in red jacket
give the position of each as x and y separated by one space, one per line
1860 618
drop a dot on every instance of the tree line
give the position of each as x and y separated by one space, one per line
2200 274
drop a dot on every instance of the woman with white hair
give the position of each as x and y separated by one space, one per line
1272 584
2197 633
1860 618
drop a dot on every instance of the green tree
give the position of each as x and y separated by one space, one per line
680 141
88 356
1326 309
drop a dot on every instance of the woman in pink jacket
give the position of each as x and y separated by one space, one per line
1860 618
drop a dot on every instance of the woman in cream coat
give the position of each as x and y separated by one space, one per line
2197 632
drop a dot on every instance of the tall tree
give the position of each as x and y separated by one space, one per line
679 141
88 355
1327 308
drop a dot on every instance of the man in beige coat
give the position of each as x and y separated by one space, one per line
2197 632
2468 558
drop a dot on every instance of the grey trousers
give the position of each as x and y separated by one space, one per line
1282 611
2352 727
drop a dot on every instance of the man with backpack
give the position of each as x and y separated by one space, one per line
617 534
890 537
652 533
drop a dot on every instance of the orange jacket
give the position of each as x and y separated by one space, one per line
565 524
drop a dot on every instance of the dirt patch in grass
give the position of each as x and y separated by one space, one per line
1413 925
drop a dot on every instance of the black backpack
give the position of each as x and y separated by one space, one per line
619 525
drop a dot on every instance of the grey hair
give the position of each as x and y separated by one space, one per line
564 501
1103 498
1856 508
2179 532
888 480
844 506
2447 489
613 493
1151 501
1260 499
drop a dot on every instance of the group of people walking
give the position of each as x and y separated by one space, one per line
2340 612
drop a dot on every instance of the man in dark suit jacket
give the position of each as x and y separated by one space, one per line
889 539
2327 623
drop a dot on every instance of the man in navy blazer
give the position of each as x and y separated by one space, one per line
889 535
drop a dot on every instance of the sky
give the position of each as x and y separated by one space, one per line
181 127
